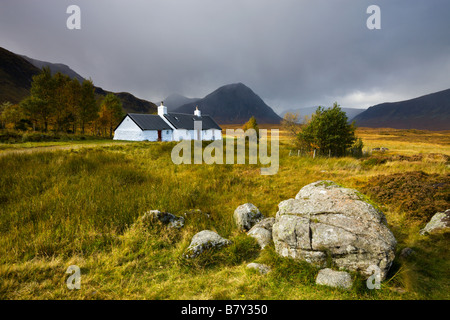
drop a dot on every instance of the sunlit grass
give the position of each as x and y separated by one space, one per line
82 206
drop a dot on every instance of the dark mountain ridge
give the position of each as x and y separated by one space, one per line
233 104
428 112
16 73
15 76
54 68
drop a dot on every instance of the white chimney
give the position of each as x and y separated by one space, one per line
197 112
162 110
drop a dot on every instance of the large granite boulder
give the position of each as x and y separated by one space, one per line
246 216
204 240
439 222
326 221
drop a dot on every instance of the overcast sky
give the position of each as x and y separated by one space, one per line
292 53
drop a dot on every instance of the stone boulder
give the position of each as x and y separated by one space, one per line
326 221
439 222
406 252
262 231
337 279
204 240
262 268
246 216
166 218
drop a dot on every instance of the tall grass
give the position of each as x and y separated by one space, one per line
82 206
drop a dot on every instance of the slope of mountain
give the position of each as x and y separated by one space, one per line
307 112
175 100
15 77
130 103
54 68
16 74
428 112
233 104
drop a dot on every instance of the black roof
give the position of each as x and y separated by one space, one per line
149 121
186 121
178 120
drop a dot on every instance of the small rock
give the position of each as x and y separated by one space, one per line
439 222
195 212
406 252
337 279
246 216
262 268
204 240
398 290
172 221
262 232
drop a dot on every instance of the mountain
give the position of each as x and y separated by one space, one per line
233 104
130 103
16 74
15 77
175 100
54 68
307 112
428 112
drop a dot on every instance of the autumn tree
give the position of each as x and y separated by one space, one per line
252 124
111 113
73 104
40 105
88 108
61 94
3 106
291 124
11 114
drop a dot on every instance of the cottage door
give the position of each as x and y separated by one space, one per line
159 135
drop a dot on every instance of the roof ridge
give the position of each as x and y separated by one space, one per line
189 114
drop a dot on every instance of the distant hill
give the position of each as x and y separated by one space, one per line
16 74
130 103
233 104
429 112
175 101
351 112
54 68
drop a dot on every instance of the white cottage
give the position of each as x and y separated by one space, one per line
167 127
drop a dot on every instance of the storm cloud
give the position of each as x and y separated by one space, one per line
293 53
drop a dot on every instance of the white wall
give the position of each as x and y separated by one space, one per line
211 134
128 130
181 134
166 135
217 134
